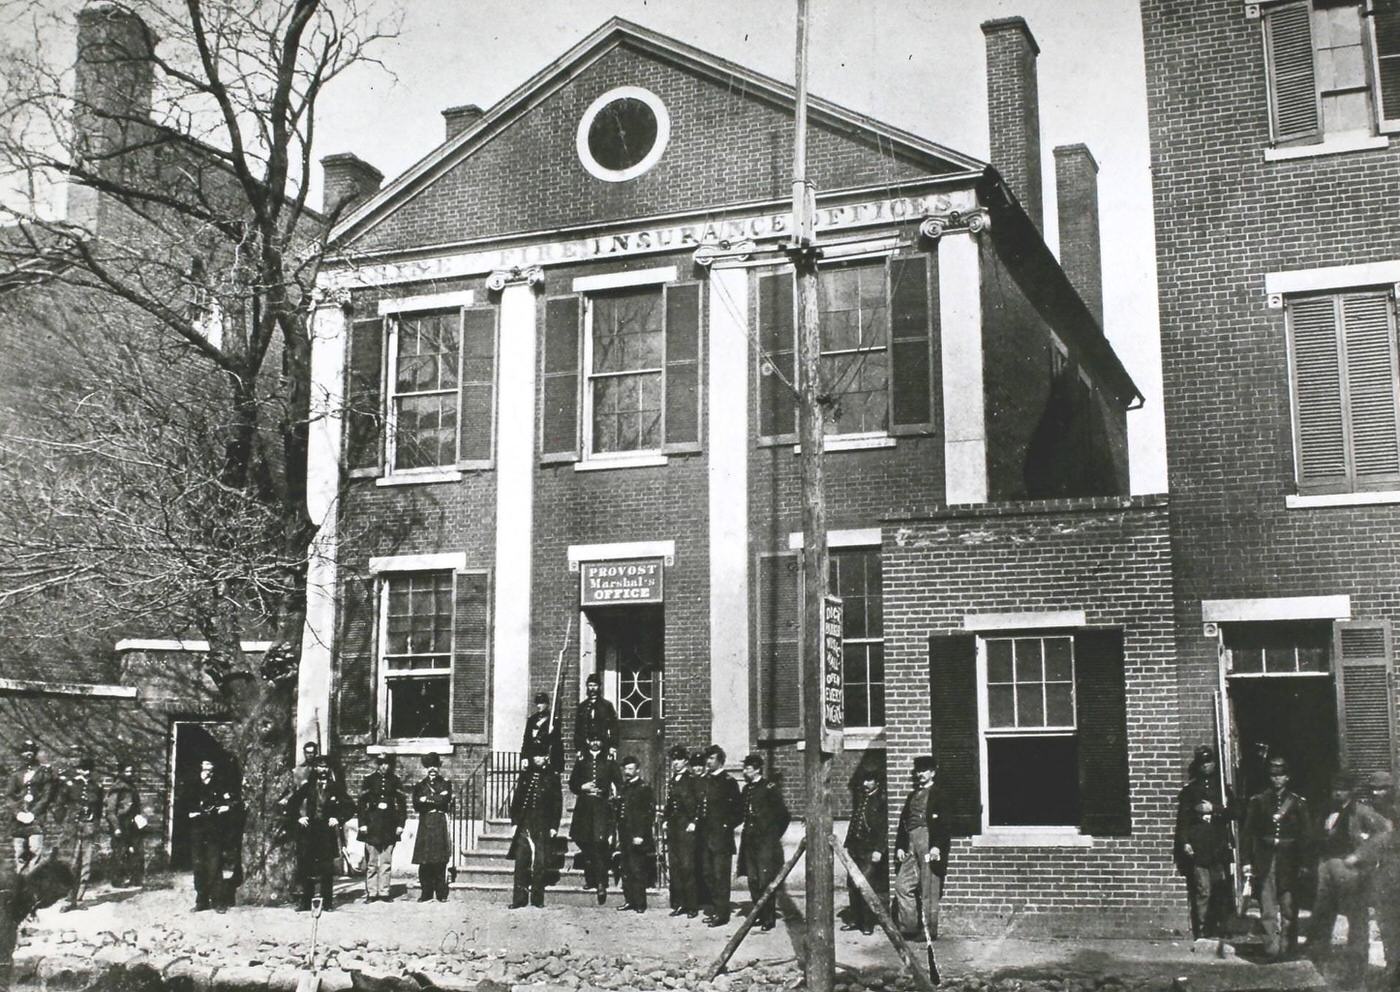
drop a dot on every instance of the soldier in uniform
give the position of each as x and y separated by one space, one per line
761 841
867 841
382 813
83 801
702 887
542 734
1381 789
432 849
595 718
720 811
921 848
1381 855
1341 887
211 818
303 772
317 807
1202 844
595 780
1276 839
678 815
535 809
121 814
636 836
31 791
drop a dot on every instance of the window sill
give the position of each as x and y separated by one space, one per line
852 442
1379 498
434 745
1336 146
424 478
858 739
1031 837
647 460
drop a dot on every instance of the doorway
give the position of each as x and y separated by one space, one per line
1289 716
191 744
631 663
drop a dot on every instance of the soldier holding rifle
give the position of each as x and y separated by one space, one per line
535 809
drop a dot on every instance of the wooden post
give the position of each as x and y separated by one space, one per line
922 979
769 893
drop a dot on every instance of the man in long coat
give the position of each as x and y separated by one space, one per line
678 814
636 835
1277 837
432 849
30 791
1205 807
83 805
214 807
761 842
316 808
867 841
536 806
720 811
921 847
595 780
595 717
382 813
121 814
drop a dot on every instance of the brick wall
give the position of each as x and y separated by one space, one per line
1110 558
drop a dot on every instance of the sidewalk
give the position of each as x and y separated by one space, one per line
471 939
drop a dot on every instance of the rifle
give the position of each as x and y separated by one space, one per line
553 726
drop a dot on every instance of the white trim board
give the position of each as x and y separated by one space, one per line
1332 277
454 560
859 537
622 549
1276 608
621 280
176 644
427 301
104 690
1043 620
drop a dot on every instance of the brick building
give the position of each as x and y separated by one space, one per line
1278 250
562 344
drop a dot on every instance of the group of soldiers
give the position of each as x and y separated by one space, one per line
1350 849
75 815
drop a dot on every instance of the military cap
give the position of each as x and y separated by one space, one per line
1203 752
431 761
630 759
925 763
541 697
678 753
754 760
27 746
697 757
715 751
1278 766
591 680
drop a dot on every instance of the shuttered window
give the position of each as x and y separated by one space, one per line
1346 412
1365 707
471 655
779 645
476 409
364 403
1295 112
356 656
682 384
559 423
1385 33
955 736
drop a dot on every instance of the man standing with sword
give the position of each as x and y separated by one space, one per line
535 809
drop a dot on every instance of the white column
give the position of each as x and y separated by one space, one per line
964 400
728 450
515 503
314 674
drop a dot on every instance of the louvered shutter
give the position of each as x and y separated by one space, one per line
777 373
683 367
1385 44
1295 108
1105 807
780 645
364 397
1365 707
478 385
952 669
1372 417
559 425
471 640
355 678
911 346
1317 391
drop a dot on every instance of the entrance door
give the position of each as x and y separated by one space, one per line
1294 717
192 744
631 655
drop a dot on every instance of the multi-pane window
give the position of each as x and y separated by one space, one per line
853 303
855 577
426 355
1031 731
1278 648
1333 69
1346 404
625 374
416 654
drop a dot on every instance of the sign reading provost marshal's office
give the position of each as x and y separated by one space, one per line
615 583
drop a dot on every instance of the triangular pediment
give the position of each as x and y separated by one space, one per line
724 134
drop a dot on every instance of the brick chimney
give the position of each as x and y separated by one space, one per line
348 179
1013 109
1077 203
113 80
458 119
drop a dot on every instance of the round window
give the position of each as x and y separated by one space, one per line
623 133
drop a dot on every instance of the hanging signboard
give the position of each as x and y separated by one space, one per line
625 581
833 677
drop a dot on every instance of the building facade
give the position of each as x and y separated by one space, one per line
1275 178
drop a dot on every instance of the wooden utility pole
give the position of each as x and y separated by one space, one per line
820 961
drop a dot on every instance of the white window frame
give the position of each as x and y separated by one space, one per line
858 438
1227 653
391 394
872 730
382 677
651 280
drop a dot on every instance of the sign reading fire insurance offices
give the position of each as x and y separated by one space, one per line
623 582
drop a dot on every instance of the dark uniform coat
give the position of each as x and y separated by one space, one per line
1207 833
382 810
33 796
720 811
592 821
540 738
595 719
318 843
536 806
120 807
868 831
433 801
765 818
214 838
83 800
1277 833
637 817
935 821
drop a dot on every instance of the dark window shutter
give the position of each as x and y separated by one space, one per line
780 645
1295 108
1374 422
470 653
1385 38
1366 717
683 367
952 670
355 684
1317 390
777 373
478 384
1101 698
559 424
911 346
364 397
